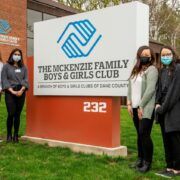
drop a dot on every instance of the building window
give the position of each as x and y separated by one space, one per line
30 45
32 17
48 16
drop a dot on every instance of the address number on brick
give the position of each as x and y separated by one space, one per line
100 107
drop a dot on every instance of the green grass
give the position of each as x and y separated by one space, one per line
32 161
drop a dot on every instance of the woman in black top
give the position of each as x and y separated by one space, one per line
168 109
15 84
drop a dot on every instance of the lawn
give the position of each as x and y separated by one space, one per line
32 161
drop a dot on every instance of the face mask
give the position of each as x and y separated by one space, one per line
16 58
144 60
166 60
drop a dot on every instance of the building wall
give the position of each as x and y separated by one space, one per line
41 10
14 12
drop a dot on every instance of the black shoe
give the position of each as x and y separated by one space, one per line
145 168
15 139
137 164
9 139
166 174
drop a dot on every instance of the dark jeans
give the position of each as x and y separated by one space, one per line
167 143
14 106
144 141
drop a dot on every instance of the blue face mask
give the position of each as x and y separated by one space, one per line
166 60
16 58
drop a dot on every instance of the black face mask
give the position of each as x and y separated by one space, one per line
145 60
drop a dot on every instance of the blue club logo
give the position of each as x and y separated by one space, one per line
79 39
5 28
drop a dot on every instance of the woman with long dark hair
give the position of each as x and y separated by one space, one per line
141 103
168 109
15 84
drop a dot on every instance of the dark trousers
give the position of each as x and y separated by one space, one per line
144 141
14 106
175 148
166 142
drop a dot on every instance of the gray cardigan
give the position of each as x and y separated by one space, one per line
149 81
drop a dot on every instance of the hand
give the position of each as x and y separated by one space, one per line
19 93
129 108
14 92
140 113
157 106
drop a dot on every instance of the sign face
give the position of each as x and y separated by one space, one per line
5 29
89 54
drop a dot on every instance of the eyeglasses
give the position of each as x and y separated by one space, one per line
17 54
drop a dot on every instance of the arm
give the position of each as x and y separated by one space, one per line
1 66
173 94
152 77
24 83
129 103
4 78
158 90
129 91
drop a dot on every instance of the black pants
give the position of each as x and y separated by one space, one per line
166 142
14 106
144 141
175 148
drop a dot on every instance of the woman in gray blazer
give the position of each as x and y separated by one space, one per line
141 103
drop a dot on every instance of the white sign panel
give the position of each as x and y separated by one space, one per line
89 54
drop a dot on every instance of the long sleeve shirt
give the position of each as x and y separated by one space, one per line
171 105
1 67
13 76
164 81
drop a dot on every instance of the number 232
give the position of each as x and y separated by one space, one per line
95 107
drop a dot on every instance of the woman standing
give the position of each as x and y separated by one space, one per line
1 66
141 103
168 109
15 84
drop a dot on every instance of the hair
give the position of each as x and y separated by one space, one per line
174 62
11 61
0 57
138 66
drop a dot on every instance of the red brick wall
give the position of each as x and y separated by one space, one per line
14 11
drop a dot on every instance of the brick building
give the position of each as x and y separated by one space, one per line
17 18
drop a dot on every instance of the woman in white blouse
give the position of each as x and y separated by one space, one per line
141 103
